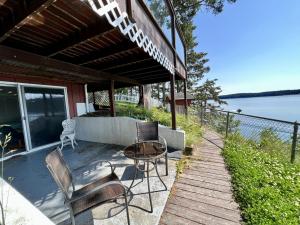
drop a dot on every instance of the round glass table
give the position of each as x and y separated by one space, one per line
146 152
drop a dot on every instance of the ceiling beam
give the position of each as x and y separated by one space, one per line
94 31
31 10
18 57
126 50
102 53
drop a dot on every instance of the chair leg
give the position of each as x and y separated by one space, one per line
72 142
75 142
167 170
72 217
62 143
127 210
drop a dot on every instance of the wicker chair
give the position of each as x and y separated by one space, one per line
148 131
92 195
68 133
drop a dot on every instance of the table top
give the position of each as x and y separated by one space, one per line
145 150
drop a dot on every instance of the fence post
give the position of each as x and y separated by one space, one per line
227 124
201 115
294 144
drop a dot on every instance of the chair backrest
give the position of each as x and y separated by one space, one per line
147 131
69 126
60 172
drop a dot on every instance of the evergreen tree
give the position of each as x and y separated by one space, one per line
185 11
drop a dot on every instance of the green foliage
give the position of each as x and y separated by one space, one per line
266 186
190 125
186 11
208 91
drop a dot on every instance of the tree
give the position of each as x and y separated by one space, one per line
185 11
208 91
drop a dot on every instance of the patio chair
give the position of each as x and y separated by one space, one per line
148 131
68 133
91 195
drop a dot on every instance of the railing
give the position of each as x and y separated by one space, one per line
269 134
162 11
126 98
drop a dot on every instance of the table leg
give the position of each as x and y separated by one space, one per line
155 165
135 173
149 191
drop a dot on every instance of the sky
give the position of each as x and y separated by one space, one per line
253 45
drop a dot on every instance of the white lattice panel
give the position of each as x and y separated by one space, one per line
111 10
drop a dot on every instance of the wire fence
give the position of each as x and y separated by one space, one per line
274 136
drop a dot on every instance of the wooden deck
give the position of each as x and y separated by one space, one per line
202 194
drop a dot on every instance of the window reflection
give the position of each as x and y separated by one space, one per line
179 46
161 13
46 110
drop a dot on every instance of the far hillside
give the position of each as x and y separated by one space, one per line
261 94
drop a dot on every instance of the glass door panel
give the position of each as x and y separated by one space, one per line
10 120
45 110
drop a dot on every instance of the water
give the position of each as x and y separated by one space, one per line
276 107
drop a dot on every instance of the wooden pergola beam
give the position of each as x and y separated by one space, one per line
11 55
36 8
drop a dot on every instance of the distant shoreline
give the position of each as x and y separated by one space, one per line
261 94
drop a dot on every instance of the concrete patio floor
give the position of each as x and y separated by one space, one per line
32 179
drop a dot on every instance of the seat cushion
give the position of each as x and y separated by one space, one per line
96 198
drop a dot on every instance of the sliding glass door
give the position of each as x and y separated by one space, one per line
11 120
32 115
45 110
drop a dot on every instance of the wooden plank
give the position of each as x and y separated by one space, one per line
231 205
43 4
204 191
198 216
211 210
173 219
21 57
201 184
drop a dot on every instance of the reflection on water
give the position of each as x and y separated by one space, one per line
276 107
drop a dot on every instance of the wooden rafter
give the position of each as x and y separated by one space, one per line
43 4
10 55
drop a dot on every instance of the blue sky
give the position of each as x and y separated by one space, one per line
252 45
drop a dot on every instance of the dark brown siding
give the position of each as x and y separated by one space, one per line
75 91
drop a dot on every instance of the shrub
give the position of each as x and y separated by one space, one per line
190 125
266 186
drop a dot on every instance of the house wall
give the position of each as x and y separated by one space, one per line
181 102
75 91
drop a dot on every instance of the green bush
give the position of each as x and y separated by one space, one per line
266 186
190 125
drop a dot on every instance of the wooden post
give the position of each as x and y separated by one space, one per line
94 98
294 144
111 93
173 110
185 100
227 124
141 99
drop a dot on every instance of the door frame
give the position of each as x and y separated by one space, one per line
21 97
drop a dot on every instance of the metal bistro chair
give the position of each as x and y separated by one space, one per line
148 131
91 195
68 132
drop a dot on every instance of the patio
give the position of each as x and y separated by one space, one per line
32 179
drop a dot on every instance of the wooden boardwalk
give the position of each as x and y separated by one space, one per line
202 194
